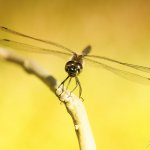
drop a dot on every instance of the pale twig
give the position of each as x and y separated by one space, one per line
72 103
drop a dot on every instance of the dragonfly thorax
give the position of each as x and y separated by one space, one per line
73 68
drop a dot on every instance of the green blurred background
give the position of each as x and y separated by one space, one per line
32 118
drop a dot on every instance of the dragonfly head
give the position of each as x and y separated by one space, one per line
73 68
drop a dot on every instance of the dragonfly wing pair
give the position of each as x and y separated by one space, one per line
84 55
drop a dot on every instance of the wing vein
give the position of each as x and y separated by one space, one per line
137 67
33 38
29 48
125 74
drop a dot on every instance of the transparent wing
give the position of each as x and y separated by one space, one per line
137 67
30 48
125 74
37 39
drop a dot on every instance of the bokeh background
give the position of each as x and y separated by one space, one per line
32 118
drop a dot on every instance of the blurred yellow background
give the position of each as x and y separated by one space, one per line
32 118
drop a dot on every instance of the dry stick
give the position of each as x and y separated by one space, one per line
72 103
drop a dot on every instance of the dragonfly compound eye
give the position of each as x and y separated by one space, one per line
73 68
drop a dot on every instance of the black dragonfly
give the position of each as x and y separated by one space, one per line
75 65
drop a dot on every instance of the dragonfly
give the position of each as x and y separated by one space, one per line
74 66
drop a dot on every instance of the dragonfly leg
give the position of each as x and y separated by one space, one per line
74 87
62 84
68 86
77 84
68 83
80 88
